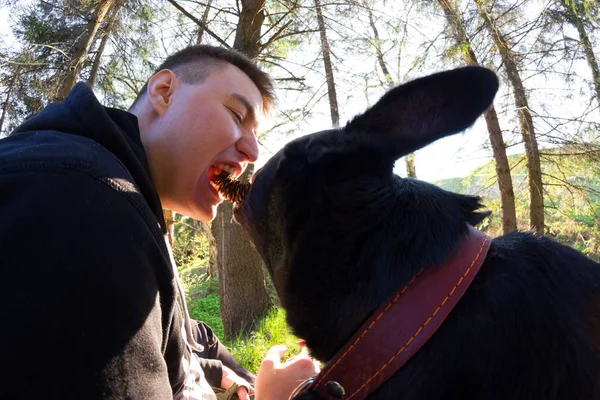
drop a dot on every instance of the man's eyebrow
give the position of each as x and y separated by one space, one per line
251 112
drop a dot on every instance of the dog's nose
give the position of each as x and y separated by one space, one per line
254 175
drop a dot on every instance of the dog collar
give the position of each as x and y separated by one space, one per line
411 316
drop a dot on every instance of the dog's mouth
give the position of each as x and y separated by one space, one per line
230 189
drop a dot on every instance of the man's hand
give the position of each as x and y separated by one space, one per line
276 380
230 377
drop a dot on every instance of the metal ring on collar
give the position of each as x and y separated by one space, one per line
302 387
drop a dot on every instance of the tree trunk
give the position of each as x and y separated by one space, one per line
204 22
6 104
170 223
247 34
409 160
211 267
573 15
96 64
82 47
105 36
333 105
244 297
411 169
532 155
505 186
377 45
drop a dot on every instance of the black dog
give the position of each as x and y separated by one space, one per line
340 233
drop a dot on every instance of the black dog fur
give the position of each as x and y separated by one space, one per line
340 233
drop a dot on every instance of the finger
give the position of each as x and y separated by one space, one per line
317 365
249 387
304 351
275 354
306 359
244 384
242 393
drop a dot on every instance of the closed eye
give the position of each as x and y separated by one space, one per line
237 116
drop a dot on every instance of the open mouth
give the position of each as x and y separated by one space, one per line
216 169
222 178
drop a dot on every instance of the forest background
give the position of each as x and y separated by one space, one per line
534 157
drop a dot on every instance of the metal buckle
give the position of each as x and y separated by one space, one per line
302 387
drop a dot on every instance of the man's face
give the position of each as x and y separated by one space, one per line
204 128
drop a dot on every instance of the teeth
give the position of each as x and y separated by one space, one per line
225 167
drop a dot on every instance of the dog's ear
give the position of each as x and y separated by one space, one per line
422 111
416 114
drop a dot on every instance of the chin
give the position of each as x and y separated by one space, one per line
201 208
207 215
212 216
204 214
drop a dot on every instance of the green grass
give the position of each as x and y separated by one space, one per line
272 330
207 309
203 303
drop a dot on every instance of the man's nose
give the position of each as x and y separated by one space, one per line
248 146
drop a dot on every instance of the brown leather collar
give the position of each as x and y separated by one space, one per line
412 316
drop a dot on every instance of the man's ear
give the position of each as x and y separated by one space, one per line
160 90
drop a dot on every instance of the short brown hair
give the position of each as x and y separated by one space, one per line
194 63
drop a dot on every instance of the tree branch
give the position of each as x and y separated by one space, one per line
199 23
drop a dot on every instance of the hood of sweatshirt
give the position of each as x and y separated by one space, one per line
116 130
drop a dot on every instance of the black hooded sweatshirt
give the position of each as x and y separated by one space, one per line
88 294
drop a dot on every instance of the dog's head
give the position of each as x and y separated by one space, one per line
337 229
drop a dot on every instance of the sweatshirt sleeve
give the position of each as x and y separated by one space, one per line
81 277
213 371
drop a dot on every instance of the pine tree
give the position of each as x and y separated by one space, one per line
532 154
507 195
326 52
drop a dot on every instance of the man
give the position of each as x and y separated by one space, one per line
90 300
215 358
